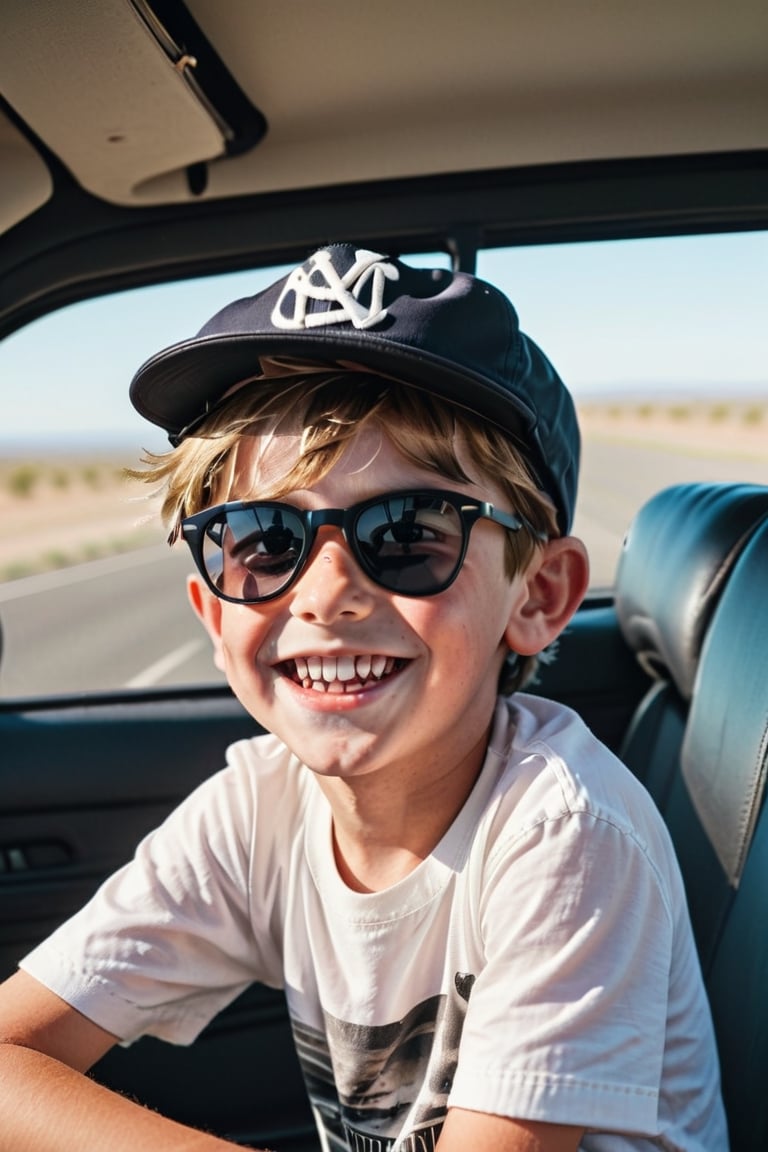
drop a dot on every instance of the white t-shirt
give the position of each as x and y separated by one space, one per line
539 964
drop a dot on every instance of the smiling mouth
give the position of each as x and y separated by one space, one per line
340 674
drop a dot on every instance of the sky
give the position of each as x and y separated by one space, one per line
672 314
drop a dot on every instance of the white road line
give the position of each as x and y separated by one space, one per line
61 577
155 672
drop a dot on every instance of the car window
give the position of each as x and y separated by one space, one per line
661 342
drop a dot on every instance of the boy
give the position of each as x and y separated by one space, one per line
473 908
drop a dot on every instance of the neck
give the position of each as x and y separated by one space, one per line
384 826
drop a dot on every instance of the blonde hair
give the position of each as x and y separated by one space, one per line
329 408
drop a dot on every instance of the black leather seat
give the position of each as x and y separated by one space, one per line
692 599
678 554
724 836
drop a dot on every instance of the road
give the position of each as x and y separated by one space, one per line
124 622
616 479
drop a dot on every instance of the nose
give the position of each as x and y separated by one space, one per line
332 584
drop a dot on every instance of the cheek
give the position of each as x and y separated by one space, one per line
244 630
462 624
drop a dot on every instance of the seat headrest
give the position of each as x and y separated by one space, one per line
677 555
725 749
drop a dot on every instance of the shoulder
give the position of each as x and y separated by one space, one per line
555 777
563 820
537 724
262 791
540 742
263 763
259 766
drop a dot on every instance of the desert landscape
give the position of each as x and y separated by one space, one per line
62 510
737 428
57 511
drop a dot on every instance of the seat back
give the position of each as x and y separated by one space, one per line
677 557
724 844
692 600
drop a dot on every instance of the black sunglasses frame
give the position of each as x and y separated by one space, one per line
195 528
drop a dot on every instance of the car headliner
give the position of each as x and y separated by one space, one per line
375 110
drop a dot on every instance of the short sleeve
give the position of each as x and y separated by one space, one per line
566 1021
172 938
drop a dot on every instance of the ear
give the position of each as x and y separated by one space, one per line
553 586
207 608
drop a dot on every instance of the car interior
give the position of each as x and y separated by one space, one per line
147 141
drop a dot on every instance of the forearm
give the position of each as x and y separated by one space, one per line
45 1106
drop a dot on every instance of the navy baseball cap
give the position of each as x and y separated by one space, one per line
447 333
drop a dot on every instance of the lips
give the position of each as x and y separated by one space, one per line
340 674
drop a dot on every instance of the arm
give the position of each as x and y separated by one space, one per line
481 1131
47 1104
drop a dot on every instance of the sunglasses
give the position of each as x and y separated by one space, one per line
411 543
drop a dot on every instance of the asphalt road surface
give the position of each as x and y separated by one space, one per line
616 479
124 622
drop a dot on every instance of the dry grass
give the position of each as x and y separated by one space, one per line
706 427
58 511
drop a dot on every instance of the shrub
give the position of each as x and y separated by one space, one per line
23 479
92 475
60 478
719 412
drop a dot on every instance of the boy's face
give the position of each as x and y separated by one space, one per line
441 654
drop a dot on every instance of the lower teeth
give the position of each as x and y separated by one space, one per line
340 687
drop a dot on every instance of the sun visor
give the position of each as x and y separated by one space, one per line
123 92
26 183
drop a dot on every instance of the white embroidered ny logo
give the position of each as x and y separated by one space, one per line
319 280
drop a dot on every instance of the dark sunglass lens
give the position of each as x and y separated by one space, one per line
252 553
410 544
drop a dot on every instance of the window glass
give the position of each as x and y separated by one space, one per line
91 597
662 343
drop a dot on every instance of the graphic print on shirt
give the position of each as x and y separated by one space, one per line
385 1088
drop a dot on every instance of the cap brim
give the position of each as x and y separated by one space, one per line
176 386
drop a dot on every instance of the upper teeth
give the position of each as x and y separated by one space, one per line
341 669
